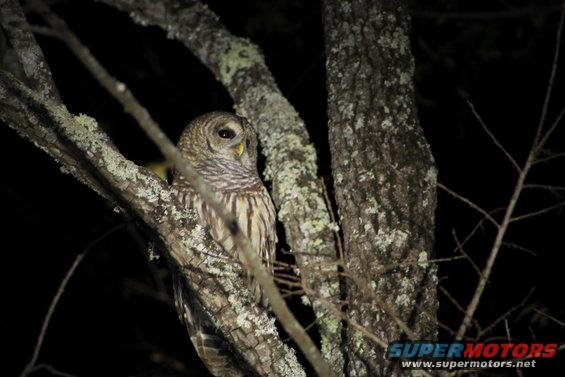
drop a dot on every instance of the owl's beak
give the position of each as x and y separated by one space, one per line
239 149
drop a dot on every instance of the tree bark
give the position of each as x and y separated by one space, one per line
384 177
291 162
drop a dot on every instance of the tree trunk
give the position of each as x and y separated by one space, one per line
384 177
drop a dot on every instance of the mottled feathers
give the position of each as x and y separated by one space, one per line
222 147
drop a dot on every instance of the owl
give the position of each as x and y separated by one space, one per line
222 147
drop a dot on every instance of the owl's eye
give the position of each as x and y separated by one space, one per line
226 133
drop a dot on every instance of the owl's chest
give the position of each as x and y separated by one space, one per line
254 212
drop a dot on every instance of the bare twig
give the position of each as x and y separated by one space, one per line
550 82
544 187
469 203
52 370
551 129
506 314
512 245
538 212
493 138
462 251
560 323
495 249
458 306
550 158
414 262
31 365
124 96
537 146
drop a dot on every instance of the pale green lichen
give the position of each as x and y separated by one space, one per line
391 237
241 54
395 39
423 259
290 366
403 300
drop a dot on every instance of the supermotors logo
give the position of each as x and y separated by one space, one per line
467 355
399 350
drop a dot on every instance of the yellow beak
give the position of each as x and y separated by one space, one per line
239 149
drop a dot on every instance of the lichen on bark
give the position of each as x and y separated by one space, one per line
385 188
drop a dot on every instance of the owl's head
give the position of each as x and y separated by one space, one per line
223 148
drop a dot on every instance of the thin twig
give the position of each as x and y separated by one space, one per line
52 370
560 323
550 158
493 138
544 187
551 81
457 305
472 307
512 245
462 251
506 314
131 105
414 262
538 212
537 145
469 203
40 338
551 129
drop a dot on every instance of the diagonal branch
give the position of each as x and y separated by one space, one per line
550 83
538 212
31 365
469 203
493 138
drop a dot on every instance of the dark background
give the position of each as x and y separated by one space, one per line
116 318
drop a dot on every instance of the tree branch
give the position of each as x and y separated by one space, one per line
31 365
538 143
254 338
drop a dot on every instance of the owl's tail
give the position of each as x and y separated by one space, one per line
211 347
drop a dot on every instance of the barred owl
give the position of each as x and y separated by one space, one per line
222 147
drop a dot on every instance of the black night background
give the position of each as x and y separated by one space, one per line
116 317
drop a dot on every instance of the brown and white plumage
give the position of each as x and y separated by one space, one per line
222 147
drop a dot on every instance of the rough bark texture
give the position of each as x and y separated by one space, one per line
384 177
38 76
290 157
257 346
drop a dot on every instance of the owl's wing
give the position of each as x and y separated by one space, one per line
265 239
210 346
